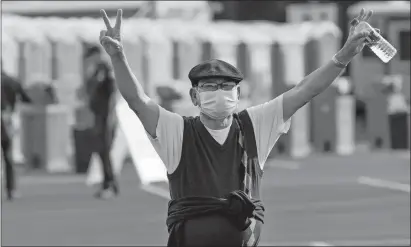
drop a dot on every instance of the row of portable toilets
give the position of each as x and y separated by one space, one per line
272 56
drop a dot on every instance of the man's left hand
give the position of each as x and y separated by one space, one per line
356 40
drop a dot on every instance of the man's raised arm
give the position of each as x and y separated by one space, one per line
127 83
320 79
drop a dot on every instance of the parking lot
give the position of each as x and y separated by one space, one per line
323 200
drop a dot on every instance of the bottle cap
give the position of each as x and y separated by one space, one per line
354 22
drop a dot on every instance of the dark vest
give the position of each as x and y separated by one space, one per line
209 169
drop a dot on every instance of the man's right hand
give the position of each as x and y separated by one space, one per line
110 39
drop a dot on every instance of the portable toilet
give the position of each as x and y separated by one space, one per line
225 44
368 72
38 53
10 44
217 43
253 60
67 66
186 47
392 18
287 70
40 124
399 37
10 54
186 53
293 49
207 41
133 46
158 57
312 11
327 107
34 61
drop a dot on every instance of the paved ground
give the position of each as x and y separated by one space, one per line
319 201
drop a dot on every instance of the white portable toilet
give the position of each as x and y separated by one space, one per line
224 44
216 43
393 19
157 48
253 60
186 48
219 42
328 36
334 106
312 11
10 48
20 30
288 69
258 65
67 63
186 54
292 39
10 54
88 29
345 117
133 47
37 52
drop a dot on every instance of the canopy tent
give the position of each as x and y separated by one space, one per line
400 8
191 10
32 7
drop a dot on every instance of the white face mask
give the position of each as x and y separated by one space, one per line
218 104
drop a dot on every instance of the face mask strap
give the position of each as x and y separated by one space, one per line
198 98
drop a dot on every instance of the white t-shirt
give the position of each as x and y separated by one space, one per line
267 120
219 135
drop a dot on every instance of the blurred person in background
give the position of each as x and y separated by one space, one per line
100 90
168 95
11 91
215 161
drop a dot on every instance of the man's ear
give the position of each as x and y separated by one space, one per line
238 92
193 96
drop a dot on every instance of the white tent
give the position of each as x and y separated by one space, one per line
32 7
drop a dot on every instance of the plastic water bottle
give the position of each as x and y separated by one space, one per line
380 46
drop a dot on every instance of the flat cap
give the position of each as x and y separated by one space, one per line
212 69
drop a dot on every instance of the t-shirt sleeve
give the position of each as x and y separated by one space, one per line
168 141
269 125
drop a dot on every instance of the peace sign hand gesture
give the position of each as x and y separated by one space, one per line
110 39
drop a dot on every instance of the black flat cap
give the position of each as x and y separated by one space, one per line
214 69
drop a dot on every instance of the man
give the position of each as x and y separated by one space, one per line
215 161
101 95
11 90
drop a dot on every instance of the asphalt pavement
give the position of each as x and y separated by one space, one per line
323 200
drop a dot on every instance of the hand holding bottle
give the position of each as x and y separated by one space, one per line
356 39
381 47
